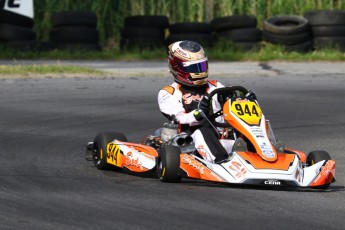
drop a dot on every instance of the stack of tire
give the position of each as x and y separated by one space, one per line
75 30
238 29
144 32
200 32
328 28
16 30
292 32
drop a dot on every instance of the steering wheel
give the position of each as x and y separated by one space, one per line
224 94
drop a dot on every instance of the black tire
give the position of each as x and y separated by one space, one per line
203 39
33 46
15 19
78 47
241 35
74 18
100 147
128 32
233 22
169 164
325 17
328 31
16 33
286 39
302 48
156 21
329 43
190 27
287 25
315 157
74 35
143 43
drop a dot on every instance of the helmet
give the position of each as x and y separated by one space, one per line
188 63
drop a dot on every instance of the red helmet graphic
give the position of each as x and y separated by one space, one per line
188 63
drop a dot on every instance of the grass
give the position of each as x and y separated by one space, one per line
28 70
224 51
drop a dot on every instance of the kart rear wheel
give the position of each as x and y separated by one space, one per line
315 157
100 147
169 164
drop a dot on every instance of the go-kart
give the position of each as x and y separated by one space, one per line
258 160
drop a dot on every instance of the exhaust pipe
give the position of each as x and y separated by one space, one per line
183 140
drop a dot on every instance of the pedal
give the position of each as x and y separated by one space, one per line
89 151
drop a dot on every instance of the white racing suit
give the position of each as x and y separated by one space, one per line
181 101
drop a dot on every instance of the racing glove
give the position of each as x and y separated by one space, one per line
251 95
203 107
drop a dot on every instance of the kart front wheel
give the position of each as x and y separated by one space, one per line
169 164
317 156
100 147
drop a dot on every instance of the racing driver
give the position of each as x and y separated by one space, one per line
188 65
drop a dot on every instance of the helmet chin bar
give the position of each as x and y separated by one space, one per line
198 79
200 82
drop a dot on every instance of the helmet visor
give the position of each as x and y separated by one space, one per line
198 67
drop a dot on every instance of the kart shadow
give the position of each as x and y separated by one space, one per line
124 171
191 182
196 182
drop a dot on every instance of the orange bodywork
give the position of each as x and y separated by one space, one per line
142 148
197 170
133 163
234 123
301 155
283 161
326 174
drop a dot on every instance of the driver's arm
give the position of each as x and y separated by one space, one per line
170 105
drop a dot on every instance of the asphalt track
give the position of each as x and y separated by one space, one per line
45 182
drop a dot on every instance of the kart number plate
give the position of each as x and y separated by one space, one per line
113 154
248 111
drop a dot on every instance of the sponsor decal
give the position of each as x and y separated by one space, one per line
188 98
238 168
186 159
328 168
22 7
9 3
272 182
133 161
256 130
182 53
202 151
240 100
268 153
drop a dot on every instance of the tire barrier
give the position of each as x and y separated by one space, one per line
144 32
292 32
75 30
8 17
15 29
200 32
239 29
328 28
